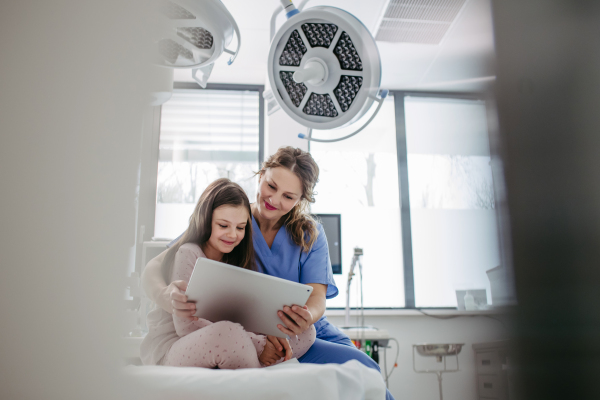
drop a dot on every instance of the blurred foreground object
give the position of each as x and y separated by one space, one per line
548 91
73 92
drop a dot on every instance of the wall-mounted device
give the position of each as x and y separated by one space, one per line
332 225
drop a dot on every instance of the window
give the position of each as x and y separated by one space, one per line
204 135
439 153
452 211
418 178
359 180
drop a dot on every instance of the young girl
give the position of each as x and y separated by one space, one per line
221 230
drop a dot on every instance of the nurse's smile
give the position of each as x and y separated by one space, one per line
269 207
279 190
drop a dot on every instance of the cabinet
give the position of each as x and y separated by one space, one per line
491 360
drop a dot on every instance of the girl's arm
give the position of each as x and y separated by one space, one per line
183 266
170 298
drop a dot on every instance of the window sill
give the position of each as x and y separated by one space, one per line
404 312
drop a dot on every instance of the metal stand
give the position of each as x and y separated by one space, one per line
358 252
435 350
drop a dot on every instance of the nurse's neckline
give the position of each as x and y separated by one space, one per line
255 214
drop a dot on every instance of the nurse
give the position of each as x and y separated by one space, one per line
289 244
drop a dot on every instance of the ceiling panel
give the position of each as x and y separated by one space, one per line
418 21
467 52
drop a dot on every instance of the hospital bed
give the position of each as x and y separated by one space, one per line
290 380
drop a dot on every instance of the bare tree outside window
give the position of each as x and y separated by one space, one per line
184 182
176 183
370 159
451 182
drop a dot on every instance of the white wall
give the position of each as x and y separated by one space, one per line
404 383
281 130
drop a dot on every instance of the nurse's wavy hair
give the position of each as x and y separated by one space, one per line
298 222
221 192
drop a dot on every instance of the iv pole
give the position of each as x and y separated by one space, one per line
358 252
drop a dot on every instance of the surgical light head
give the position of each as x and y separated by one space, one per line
193 34
324 68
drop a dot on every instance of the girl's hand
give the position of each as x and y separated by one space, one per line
179 301
285 344
295 320
275 348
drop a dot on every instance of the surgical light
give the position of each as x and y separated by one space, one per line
193 34
324 68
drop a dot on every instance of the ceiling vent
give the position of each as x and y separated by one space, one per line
418 21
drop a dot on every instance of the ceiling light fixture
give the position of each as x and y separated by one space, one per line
194 34
324 68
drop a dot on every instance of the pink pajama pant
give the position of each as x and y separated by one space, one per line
227 345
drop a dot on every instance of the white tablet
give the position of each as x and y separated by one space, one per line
223 292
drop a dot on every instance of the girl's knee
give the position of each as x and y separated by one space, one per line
310 335
313 331
303 342
226 328
222 332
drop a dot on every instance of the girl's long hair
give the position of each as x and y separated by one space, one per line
298 222
221 192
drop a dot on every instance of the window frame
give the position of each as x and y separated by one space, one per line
150 157
404 195
149 167
402 154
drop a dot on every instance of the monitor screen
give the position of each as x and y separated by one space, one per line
332 225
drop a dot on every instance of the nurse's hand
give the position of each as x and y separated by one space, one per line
295 320
179 301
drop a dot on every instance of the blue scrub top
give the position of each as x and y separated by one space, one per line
286 260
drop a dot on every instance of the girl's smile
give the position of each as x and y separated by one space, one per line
228 230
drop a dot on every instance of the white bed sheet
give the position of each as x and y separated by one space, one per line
290 380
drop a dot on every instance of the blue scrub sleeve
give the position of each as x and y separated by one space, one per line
315 266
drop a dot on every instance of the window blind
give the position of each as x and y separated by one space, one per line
210 125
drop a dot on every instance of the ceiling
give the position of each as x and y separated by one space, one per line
462 62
